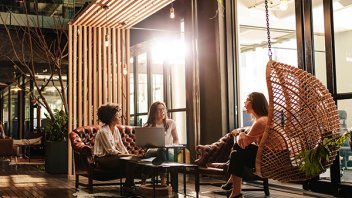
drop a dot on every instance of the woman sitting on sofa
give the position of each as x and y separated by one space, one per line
245 150
157 117
108 144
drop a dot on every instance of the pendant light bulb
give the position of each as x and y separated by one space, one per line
172 12
124 72
283 4
106 42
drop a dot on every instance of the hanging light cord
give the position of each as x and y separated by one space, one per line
270 53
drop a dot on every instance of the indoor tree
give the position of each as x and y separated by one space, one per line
30 44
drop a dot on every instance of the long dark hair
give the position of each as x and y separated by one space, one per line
153 110
259 103
107 112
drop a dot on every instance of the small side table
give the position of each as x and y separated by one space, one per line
173 168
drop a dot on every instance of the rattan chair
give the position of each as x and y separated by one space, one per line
301 112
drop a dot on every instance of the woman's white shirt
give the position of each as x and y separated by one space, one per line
107 143
168 135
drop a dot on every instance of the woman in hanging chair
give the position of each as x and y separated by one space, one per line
245 150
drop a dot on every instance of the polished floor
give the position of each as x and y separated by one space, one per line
30 180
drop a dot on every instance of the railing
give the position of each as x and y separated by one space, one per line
44 15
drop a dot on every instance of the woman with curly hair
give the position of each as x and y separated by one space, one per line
108 144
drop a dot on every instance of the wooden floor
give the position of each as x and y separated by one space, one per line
29 180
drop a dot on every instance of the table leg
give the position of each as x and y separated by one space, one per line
184 180
154 178
174 178
196 182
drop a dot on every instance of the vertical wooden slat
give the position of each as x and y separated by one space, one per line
69 75
127 107
90 77
95 76
74 78
100 90
123 83
85 77
114 65
118 64
119 61
80 113
104 69
109 80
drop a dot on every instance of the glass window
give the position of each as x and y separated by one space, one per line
131 86
27 114
177 76
343 51
14 113
52 97
345 112
180 120
319 41
142 97
163 63
5 111
141 120
157 75
253 46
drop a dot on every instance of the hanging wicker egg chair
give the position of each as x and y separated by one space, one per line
302 113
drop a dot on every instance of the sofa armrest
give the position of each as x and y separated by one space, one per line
217 152
83 159
201 153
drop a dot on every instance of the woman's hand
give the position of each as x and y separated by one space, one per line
240 140
235 132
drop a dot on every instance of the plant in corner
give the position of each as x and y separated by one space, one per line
56 146
313 159
56 128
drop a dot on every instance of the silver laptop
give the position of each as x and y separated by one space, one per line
150 137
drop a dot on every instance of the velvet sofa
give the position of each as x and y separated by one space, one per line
212 160
82 142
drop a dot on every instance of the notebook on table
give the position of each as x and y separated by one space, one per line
150 137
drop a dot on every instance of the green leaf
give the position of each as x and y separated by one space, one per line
311 159
57 127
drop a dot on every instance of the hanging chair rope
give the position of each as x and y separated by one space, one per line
270 53
301 114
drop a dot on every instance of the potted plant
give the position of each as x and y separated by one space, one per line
56 145
314 159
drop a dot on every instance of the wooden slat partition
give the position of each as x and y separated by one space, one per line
95 71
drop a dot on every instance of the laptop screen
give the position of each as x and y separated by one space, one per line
150 137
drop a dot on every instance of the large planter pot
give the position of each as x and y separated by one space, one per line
56 157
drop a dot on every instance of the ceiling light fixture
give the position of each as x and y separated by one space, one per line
172 11
124 71
283 4
106 39
106 42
